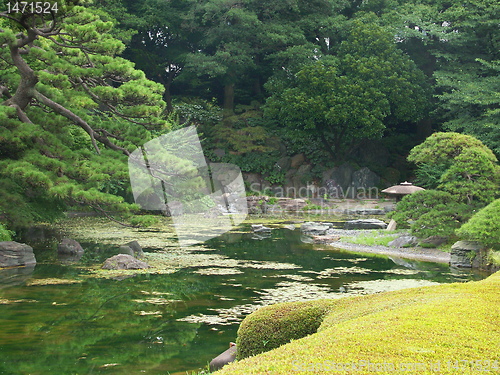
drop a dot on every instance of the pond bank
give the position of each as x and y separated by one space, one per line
414 253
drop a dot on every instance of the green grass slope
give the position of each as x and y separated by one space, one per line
445 329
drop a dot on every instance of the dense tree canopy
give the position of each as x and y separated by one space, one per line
348 97
71 111
331 74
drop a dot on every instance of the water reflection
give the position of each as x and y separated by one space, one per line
59 319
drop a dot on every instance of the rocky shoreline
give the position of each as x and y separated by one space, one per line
414 253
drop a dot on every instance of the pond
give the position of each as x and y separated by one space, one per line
75 319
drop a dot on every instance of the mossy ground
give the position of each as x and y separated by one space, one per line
374 237
448 329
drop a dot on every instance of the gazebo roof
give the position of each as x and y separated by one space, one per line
403 188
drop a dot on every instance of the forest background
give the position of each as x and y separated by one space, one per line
358 82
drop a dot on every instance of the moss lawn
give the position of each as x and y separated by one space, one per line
445 329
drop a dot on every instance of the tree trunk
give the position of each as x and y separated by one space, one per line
228 98
326 144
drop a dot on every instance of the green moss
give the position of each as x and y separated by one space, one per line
373 238
273 326
454 325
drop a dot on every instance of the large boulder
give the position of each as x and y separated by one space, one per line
314 229
70 247
15 254
341 179
69 251
297 160
124 262
404 241
463 253
259 228
136 248
365 224
433 241
365 179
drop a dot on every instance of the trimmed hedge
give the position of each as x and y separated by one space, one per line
276 325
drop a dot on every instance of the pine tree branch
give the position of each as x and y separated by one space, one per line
108 105
4 91
98 208
59 109
21 115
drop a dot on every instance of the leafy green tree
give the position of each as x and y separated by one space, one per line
351 96
239 41
156 40
71 112
467 74
457 43
484 226
470 171
431 212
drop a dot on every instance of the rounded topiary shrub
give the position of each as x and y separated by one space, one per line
272 326
484 226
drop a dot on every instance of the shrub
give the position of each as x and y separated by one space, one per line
431 212
484 226
5 235
273 326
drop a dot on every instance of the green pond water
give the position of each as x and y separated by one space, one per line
63 318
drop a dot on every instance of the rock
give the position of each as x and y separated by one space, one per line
289 226
365 179
124 262
333 189
392 225
342 177
364 211
314 229
404 241
325 239
463 253
124 249
136 248
219 152
256 183
69 251
70 247
15 254
224 358
289 204
259 228
433 241
284 163
365 224
297 160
